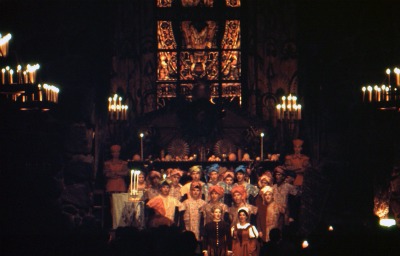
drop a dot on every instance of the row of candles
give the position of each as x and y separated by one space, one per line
134 182
288 108
384 92
4 44
116 110
45 92
376 93
27 76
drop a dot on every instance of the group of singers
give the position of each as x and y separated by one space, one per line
223 209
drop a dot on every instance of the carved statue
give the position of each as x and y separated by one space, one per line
297 162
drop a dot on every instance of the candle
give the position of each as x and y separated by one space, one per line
118 112
11 75
294 98
379 94
397 72
376 92
262 145
109 104
3 76
7 73
131 181
295 112
304 244
137 182
388 73
278 111
363 93
369 88
387 93
25 77
141 146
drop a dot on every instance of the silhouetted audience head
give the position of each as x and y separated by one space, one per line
275 235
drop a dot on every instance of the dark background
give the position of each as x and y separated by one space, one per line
342 45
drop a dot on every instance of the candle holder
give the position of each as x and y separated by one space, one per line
116 110
288 114
384 96
134 191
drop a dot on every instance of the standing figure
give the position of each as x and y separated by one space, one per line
175 190
282 190
251 190
297 162
239 200
215 194
263 181
153 183
212 173
268 213
227 184
171 204
195 174
217 239
244 235
115 170
192 209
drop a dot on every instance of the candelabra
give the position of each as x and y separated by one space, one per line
385 96
21 87
117 111
288 113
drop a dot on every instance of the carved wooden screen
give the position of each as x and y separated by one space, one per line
194 41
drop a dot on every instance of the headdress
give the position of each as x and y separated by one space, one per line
239 189
154 173
217 189
267 189
195 168
298 142
229 173
266 178
176 171
240 168
115 148
244 209
165 182
213 168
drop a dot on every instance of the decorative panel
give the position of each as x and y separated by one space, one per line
167 66
165 35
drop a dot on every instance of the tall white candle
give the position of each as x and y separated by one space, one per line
141 146
397 72
11 76
137 182
132 182
3 76
369 88
261 145
278 111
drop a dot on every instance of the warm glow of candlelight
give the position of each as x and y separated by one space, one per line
330 228
387 222
304 244
3 76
